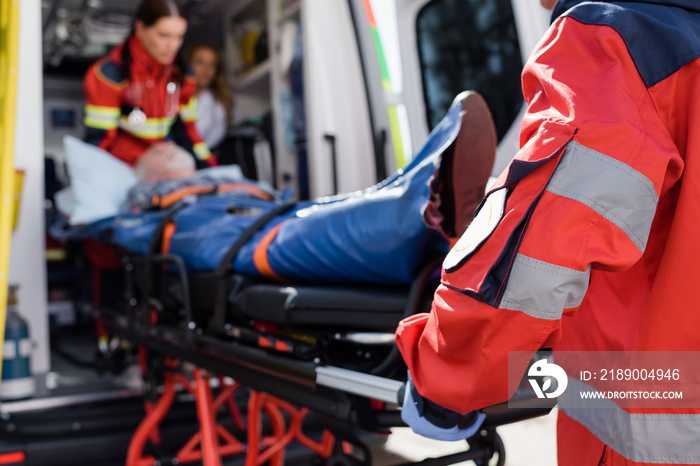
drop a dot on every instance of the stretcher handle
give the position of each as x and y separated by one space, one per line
465 421
522 405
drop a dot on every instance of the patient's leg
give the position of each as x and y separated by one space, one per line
466 165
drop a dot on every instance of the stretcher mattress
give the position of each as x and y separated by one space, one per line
358 308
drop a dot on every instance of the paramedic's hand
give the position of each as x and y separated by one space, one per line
433 421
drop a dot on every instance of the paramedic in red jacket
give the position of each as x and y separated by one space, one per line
141 93
588 240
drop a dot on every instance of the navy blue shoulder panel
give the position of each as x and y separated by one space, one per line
112 71
661 39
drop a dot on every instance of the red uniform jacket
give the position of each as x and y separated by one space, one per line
587 242
168 107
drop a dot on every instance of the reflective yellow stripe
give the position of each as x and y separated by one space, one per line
191 105
152 128
188 118
100 117
201 150
189 112
101 122
101 111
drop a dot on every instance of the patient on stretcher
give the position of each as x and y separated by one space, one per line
378 235
164 161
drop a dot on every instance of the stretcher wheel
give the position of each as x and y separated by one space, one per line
491 440
348 453
500 449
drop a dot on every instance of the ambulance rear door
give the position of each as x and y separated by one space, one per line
419 54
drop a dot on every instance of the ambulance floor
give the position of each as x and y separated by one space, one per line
527 443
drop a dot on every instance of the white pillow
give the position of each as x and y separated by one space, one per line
65 201
99 181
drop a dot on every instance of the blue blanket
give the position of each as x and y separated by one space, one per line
373 236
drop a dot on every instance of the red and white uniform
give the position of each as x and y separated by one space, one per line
160 107
591 244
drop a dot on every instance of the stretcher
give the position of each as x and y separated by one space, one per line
299 351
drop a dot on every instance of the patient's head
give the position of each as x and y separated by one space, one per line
164 161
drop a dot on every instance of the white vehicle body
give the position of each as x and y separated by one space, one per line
359 127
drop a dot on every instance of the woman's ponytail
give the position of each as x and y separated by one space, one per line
127 58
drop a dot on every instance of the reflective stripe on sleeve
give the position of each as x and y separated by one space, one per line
201 150
152 128
101 117
662 438
616 191
189 112
543 290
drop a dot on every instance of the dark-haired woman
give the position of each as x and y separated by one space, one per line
214 98
141 93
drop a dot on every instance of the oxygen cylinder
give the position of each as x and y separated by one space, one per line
17 381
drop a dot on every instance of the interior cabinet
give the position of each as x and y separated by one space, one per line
259 80
322 141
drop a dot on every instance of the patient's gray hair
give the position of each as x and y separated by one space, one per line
164 161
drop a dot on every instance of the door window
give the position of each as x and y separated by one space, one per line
470 45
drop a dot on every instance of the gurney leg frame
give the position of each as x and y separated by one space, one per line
273 406
207 438
212 441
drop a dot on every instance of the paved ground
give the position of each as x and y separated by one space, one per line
527 443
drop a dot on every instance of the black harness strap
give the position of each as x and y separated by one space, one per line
157 238
226 266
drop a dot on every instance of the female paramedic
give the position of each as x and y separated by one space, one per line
141 93
586 243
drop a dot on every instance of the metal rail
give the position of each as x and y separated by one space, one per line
323 389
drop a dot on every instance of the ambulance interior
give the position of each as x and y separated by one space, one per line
330 97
